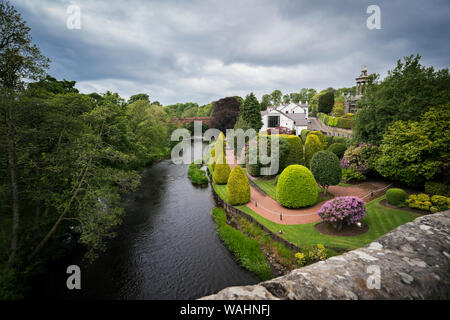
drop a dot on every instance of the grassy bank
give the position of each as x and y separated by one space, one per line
197 175
247 251
380 219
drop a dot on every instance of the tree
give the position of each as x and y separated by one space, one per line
225 113
307 94
238 187
139 96
19 59
415 151
312 146
286 99
295 97
265 101
276 97
326 168
326 101
408 91
250 112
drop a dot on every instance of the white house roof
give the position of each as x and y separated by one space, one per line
298 118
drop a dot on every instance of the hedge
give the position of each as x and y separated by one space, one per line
396 196
312 146
437 188
321 137
296 187
238 187
326 168
344 122
221 172
295 150
338 149
341 140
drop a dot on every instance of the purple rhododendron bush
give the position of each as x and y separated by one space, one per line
343 210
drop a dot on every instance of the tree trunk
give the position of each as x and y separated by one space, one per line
14 186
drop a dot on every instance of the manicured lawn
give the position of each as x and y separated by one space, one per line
379 218
247 250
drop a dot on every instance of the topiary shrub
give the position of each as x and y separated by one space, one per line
296 187
304 134
321 137
338 149
312 146
344 140
437 188
329 140
396 197
326 168
342 211
221 172
213 153
295 150
238 187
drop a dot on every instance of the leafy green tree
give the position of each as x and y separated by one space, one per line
265 101
139 96
276 97
416 150
19 60
408 91
286 99
326 168
326 101
250 112
294 97
307 94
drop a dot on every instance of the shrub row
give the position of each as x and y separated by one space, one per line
424 202
344 122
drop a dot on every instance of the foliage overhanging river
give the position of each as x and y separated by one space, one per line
166 248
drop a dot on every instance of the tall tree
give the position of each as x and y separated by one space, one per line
265 101
286 99
406 93
225 113
326 101
250 112
139 96
19 59
276 97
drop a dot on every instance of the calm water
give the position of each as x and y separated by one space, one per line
166 248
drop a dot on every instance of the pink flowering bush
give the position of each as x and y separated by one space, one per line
343 210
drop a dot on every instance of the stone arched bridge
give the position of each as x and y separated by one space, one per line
184 120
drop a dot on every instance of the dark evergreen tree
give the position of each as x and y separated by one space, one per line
250 112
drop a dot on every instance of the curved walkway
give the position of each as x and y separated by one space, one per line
270 209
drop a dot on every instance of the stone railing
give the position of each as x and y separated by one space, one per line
410 262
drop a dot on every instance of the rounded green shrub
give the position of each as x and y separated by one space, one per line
338 149
344 140
238 187
326 168
321 137
396 196
221 172
329 140
296 187
312 146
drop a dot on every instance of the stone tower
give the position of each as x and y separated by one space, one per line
361 82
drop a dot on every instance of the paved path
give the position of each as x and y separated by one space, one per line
270 209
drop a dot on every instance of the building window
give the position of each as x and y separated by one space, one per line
274 121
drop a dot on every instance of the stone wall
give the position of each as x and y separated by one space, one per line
410 262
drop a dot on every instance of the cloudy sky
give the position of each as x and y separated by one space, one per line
179 51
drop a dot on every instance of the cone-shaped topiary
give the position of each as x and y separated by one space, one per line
221 172
295 150
238 187
326 168
312 146
322 139
304 134
213 153
296 187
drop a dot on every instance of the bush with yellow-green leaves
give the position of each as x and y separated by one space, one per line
424 202
221 172
238 187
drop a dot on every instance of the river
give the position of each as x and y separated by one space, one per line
166 248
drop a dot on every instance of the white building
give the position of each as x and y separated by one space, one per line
291 116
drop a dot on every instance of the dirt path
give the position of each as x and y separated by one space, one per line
270 209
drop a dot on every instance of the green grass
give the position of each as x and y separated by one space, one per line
247 250
379 218
221 190
197 175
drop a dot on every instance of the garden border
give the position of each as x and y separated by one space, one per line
229 209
